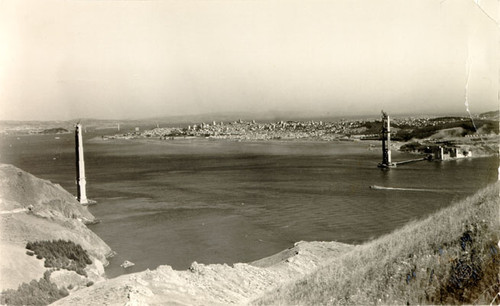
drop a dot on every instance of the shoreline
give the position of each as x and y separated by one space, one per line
371 144
196 267
301 273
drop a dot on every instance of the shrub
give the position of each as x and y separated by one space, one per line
41 292
412 146
403 135
61 254
30 253
90 283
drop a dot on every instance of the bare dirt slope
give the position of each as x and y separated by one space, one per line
209 284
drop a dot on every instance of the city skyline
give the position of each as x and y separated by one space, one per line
139 59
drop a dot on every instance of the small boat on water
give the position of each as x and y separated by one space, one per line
377 187
393 188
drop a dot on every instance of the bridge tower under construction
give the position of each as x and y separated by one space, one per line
80 166
386 142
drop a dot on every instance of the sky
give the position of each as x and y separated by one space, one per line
66 59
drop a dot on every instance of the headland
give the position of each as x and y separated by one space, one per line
449 257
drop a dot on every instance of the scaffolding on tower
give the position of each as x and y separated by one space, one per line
386 143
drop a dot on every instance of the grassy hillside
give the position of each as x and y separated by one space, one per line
449 258
22 190
452 257
32 211
14 256
465 128
493 115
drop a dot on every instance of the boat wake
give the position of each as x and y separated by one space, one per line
402 189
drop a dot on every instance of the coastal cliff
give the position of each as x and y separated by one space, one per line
31 210
448 258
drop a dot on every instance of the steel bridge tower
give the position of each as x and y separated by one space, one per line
386 142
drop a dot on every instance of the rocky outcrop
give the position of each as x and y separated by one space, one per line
213 284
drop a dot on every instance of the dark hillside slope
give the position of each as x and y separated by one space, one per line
452 257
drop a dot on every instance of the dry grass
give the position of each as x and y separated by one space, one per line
451 257
14 256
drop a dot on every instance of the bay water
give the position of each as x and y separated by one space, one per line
213 201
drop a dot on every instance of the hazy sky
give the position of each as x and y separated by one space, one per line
62 59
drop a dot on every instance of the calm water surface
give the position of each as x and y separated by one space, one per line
175 202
